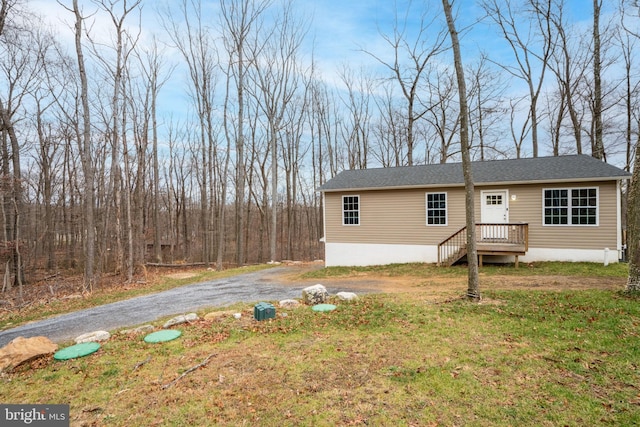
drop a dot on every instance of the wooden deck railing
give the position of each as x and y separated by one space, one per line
453 247
491 238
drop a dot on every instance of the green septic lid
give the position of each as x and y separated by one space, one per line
78 350
323 307
163 335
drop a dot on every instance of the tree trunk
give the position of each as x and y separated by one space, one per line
473 291
633 225
598 145
157 235
47 193
240 165
128 214
274 196
14 187
87 161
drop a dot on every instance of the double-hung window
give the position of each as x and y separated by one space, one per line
436 208
571 206
350 210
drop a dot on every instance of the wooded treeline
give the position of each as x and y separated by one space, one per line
203 140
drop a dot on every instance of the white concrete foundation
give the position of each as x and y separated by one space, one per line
359 254
570 255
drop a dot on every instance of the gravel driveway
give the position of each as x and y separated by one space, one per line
251 287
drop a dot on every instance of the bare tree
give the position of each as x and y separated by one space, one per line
486 110
569 64
19 66
116 123
555 104
598 145
356 126
411 62
473 291
530 63
240 19
390 131
518 135
49 147
84 144
630 12
601 95
314 121
276 79
156 72
633 226
444 115
64 87
196 44
5 8
293 151
178 176
631 94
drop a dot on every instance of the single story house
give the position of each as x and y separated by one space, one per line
564 208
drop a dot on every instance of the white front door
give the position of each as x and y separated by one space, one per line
495 210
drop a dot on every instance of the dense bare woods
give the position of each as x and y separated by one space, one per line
201 139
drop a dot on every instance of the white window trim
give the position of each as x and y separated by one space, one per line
359 204
569 206
446 209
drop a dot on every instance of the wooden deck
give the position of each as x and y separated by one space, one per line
491 239
507 249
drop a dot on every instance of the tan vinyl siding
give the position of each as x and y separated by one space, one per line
393 217
528 207
399 217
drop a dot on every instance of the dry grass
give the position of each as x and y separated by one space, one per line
520 358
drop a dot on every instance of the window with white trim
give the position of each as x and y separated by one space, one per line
436 208
571 206
350 210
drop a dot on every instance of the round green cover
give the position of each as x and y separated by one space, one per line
323 307
163 335
78 350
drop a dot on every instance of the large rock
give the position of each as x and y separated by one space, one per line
191 317
94 336
347 296
21 350
316 294
289 303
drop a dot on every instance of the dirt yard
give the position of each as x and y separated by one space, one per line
447 284
61 287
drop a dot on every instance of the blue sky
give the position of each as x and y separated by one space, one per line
338 32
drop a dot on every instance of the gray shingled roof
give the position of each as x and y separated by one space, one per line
541 169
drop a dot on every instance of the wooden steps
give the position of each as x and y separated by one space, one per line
499 239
